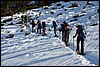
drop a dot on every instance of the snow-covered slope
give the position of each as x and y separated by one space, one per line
33 50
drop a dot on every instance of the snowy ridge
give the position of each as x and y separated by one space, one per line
33 50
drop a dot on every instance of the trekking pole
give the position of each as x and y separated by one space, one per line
73 43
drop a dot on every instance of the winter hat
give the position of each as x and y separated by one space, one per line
77 25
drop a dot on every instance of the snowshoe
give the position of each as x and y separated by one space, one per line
55 36
38 35
78 52
83 54
67 44
44 34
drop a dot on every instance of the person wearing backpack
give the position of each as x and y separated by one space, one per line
55 28
43 27
39 26
65 28
62 29
33 26
67 32
80 37
25 20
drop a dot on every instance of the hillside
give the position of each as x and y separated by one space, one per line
11 7
25 48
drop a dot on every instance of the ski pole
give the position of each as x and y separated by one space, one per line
73 43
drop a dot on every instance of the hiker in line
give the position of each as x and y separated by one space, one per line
55 28
39 25
80 37
43 28
25 20
67 32
62 29
22 18
58 26
33 26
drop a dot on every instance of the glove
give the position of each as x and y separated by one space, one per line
73 36
84 36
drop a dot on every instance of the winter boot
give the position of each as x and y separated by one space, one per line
67 44
83 54
78 52
55 36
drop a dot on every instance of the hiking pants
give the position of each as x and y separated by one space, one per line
39 30
33 29
43 30
63 36
67 37
82 44
55 30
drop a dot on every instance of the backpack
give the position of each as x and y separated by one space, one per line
54 24
81 32
62 27
43 24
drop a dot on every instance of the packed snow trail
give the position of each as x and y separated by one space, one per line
42 51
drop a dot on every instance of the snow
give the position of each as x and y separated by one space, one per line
33 50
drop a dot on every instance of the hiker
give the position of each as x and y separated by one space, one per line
67 32
55 26
62 29
39 26
80 37
43 28
65 28
33 26
25 20
22 18
58 26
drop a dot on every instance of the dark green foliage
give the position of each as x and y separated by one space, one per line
8 8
